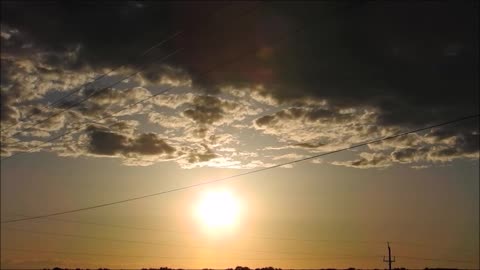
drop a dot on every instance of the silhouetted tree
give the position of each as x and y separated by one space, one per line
268 268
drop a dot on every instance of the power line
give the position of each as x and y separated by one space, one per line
108 116
163 243
76 90
135 59
246 259
434 259
225 63
243 174
191 233
230 61
96 92
253 237
83 253
170 257
423 245
108 225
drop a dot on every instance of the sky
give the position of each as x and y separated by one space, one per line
102 102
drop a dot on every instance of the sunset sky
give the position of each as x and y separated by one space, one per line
102 102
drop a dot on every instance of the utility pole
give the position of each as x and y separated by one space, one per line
389 257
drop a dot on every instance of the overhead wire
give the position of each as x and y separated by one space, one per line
239 259
229 61
132 59
143 242
77 89
434 259
97 91
252 237
464 118
210 70
161 243
181 258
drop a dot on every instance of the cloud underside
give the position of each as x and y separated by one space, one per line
350 81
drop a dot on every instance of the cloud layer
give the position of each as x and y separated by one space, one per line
241 94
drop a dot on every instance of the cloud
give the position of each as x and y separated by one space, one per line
319 129
291 156
207 110
407 141
461 146
409 155
150 144
9 114
303 115
118 97
162 74
213 110
310 145
10 146
173 101
108 143
204 155
168 121
367 160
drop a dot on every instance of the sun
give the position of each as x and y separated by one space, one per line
218 209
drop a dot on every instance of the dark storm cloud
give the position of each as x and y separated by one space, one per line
414 62
99 28
105 142
150 144
404 58
390 56
112 34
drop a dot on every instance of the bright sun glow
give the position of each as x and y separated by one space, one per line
218 209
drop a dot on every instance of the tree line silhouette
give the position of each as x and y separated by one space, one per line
241 268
